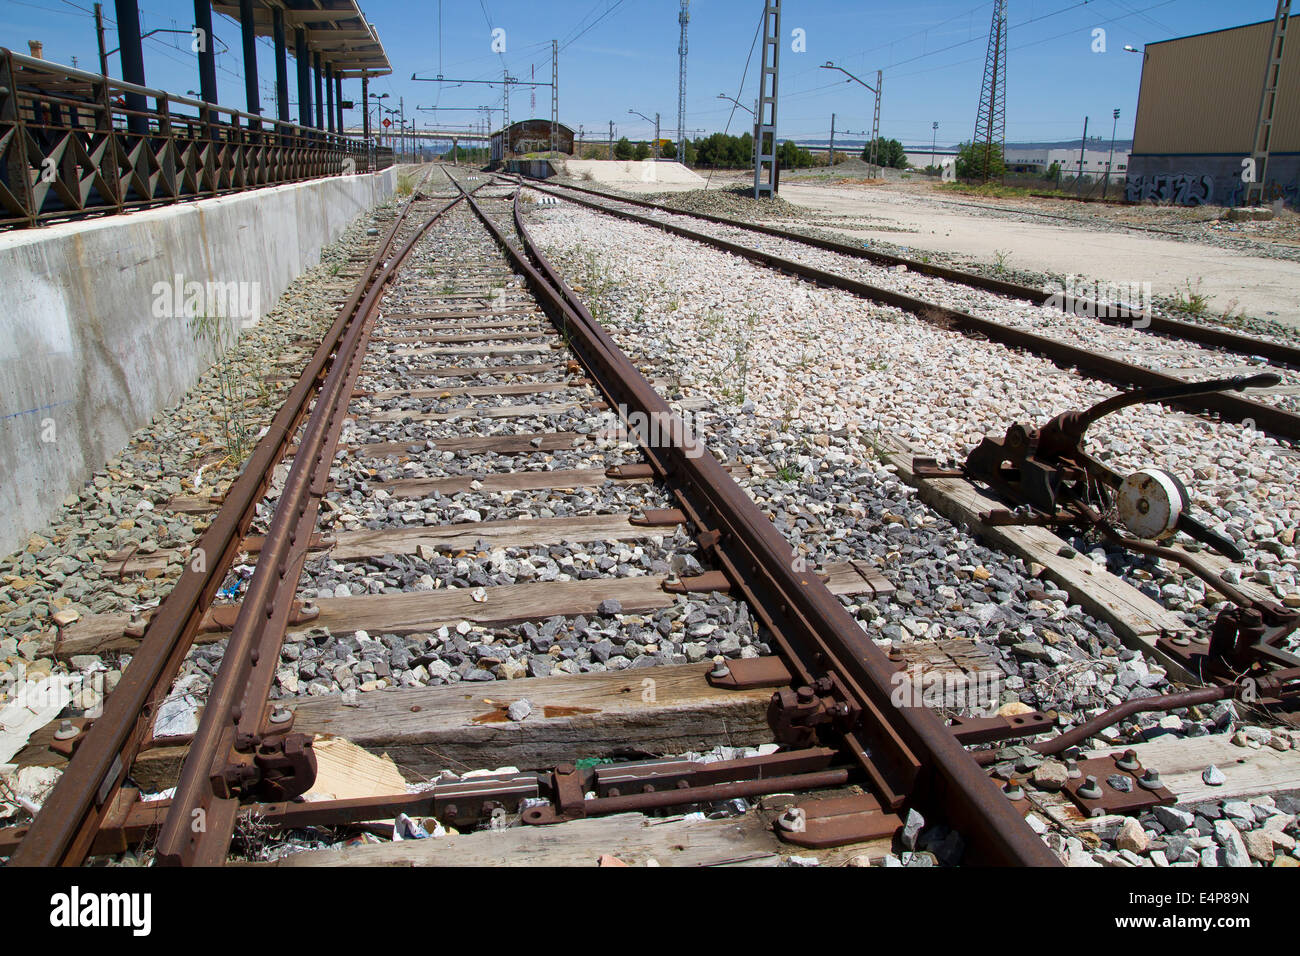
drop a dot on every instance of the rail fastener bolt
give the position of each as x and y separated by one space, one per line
1128 760
1089 789
67 730
793 820
1150 780
720 668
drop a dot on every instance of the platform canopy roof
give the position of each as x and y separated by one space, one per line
336 29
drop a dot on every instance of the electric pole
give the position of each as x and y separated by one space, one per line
683 18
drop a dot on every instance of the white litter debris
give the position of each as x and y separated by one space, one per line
32 705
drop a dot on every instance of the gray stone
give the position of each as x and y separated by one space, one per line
1173 819
1234 848
912 827
519 709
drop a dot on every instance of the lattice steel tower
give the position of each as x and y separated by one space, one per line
683 18
765 169
991 120
555 96
1268 103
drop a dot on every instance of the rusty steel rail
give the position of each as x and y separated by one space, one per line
237 732
907 754
64 831
1276 352
1268 418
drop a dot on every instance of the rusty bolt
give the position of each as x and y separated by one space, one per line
1150 780
1128 760
1013 790
1089 789
793 820
281 715
804 695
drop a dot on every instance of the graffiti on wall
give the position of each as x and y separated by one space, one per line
1181 189
1289 193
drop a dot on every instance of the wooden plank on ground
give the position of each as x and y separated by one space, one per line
470 371
522 324
505 388
515 533
415 611
497 444
538 335
397 317
345 771
1248 772
1181 761
471 412
458 351
632 838
566 478
1136 619
463 726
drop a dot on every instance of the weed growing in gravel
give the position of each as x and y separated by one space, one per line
221 339
1194 303
788 473
1000 260
1232 315
405 184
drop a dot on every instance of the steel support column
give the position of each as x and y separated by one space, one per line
329 97
207 55
338 103
131 54
365 109
281 65
249 38
320 100
304 76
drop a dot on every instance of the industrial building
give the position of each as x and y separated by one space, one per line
529 136
1197 117
1039 160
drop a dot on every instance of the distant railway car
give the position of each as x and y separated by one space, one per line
529 136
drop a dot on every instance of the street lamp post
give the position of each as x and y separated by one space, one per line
656 122
934 138
379 110
1114 123
753 113
875 123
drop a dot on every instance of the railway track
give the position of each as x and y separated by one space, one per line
439 307
1119 312
1039 331
463 369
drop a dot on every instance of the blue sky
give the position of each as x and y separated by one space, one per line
622 54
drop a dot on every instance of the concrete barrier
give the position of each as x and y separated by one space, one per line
91 347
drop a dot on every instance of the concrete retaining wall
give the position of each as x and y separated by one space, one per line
534 168
90 350
1210 179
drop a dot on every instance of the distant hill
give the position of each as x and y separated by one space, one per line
1094 142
